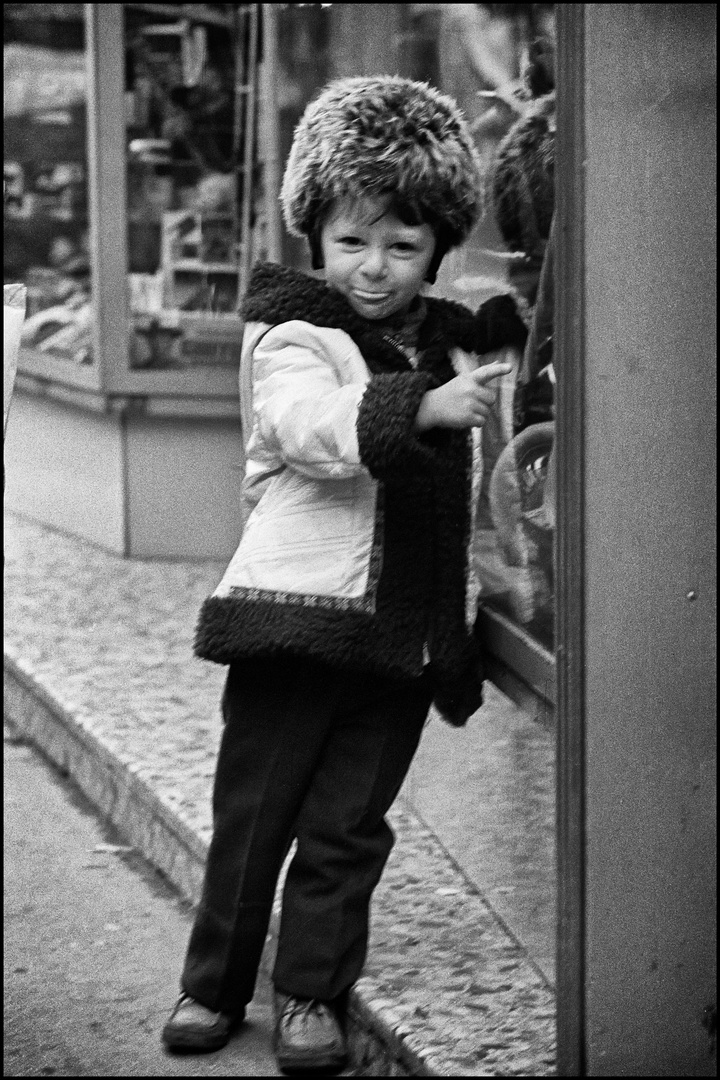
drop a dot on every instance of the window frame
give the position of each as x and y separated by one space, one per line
196 391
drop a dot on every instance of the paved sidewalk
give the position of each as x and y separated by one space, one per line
92 937
99 673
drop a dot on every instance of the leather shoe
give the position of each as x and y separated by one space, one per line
192 1026
308 1036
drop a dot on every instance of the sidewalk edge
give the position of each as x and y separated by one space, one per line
126 801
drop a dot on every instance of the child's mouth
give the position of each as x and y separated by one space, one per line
371 298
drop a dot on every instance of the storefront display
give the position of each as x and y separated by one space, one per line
192 189
497 60
144 146
190 106
45 173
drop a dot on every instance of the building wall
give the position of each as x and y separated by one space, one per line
184 480
64 467
650 390
136 485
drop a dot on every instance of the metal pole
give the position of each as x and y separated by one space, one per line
269 131
249 154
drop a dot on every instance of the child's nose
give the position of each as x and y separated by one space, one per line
374 264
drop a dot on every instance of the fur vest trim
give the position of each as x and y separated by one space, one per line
423 521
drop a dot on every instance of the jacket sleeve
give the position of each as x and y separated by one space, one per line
306 400
388 442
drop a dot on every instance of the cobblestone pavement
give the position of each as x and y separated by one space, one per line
98 653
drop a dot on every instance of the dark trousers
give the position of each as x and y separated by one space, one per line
313 754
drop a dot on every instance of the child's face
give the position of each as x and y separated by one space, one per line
372 258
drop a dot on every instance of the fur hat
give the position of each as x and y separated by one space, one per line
383 133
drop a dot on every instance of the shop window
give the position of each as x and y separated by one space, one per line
136 157
45 176
304 65
497 60
191 113
194 191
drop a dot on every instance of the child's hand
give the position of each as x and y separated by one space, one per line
463 402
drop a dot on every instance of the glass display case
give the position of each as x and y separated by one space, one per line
192 192
46 180
497 61
135 194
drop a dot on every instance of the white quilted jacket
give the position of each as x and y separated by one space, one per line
310 502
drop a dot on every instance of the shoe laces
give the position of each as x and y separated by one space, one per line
303 1007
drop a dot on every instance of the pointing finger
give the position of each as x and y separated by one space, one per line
483 375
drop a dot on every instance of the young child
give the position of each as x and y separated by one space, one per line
348 607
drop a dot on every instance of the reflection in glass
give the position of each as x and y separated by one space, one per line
45 175
515 555
489 792
497 60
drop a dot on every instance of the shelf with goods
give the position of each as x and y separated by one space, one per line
46 220
176 157
207 14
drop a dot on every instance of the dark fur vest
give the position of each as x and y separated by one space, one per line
423 519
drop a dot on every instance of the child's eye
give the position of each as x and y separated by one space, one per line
350 241
405 247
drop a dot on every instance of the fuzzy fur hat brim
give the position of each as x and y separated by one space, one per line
378 134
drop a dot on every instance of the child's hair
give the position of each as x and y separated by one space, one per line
383 135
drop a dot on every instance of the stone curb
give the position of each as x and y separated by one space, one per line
501 1026
124 798
172 847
